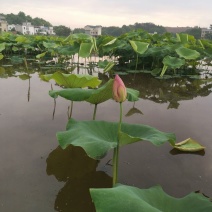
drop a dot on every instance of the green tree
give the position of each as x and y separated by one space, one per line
208 36
40 22
78 30
62 30
196 32
20 18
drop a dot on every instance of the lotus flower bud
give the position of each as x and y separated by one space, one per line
119 90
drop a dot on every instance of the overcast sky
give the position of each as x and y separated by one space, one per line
78 13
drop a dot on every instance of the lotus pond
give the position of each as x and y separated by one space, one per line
38 175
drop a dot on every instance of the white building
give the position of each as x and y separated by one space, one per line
10 27
26 28
93 30
3 24
44 30
205 31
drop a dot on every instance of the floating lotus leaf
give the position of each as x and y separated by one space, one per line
98 137
139 47
2 71
188 54
127 198
173 62
24 76
73 80
189 145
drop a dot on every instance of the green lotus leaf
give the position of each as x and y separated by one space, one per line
24 76
183 38
51 45
102 64
93 96
41 55
2 46
2 70
16 60
73 80
21 39
98 137
101 94
132 95
189 145
188 54
73 94
173 62
111 42
1 56
139 47
127 198
108 67
85 49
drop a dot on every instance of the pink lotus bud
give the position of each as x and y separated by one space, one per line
119 90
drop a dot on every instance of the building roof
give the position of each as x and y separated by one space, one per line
91 26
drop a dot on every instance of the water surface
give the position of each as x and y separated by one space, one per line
37 175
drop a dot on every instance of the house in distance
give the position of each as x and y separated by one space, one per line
94 31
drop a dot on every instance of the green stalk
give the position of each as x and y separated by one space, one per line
94 113
70 110
136 61
116 150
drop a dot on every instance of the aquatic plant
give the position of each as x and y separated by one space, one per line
98 137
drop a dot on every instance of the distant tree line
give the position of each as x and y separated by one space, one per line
115 31
20 18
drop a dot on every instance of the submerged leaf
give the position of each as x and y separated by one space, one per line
189 145
98 137
127 198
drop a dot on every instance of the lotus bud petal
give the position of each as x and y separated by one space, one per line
119 90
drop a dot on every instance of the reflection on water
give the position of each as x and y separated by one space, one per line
78 171
170 91
39 176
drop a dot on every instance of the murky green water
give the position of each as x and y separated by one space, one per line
36 175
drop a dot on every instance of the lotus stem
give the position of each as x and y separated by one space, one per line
70 109
116 151
94 112
136 62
